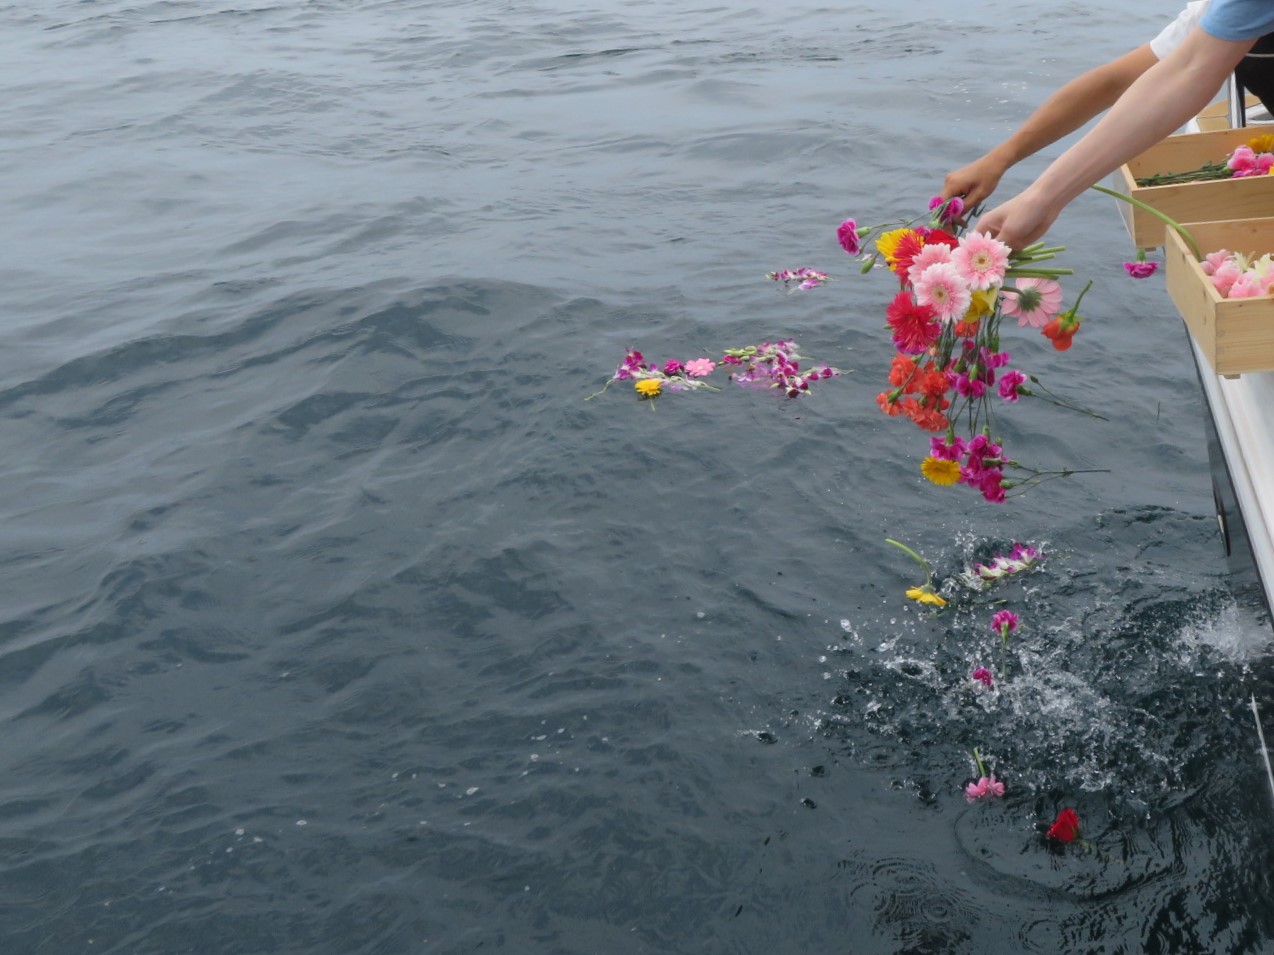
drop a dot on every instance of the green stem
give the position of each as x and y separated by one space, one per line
914 556
1172 223
977 758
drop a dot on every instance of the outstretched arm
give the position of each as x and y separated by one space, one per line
1064 112
1157 104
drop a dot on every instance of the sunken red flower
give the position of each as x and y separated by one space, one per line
915 326
1066 827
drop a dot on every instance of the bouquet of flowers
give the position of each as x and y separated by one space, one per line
1253 158
955 290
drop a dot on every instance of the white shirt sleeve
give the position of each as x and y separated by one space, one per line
1171 36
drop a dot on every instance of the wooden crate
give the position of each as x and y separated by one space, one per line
1247 198
1236 335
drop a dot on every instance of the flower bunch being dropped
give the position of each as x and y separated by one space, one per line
950 371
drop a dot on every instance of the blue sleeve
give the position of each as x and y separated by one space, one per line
1238 19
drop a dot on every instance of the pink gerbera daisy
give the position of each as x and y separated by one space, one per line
942 289
981 260
1033 301
927 256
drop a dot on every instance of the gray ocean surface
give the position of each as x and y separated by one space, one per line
336 621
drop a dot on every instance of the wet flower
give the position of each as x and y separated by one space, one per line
1005 622
847 236
1066 827
925 595
987 787
983 676
648 387
672 367
805 278
941 472
699 367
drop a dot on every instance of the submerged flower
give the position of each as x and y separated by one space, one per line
987 787
983 676
939 471
847 236
647 387
925 595
1066 827
1033 301
699 367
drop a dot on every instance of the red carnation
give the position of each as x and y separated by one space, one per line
915 326
1066 827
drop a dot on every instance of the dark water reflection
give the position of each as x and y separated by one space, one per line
339 622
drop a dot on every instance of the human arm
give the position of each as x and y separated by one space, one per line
1069 108
1155 105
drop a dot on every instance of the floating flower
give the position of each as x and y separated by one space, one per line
1066 827
699 367
925 595
981 260
986 787
648 387
983 676
805 278
1034 301
847 236
940 472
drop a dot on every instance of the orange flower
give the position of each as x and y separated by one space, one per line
902 371
888 401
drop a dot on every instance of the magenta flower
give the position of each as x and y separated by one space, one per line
1005 622
955 206
1141 270
983 676
987 787
847 235
939 448
699 367
672 367
1011 385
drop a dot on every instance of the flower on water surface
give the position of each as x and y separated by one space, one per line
699 367
1066 827
983 676
940 471
648 387
925 595
987 787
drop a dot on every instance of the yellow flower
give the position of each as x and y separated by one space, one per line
940 472
1262 144
647 387
887 243
925 595
982 303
